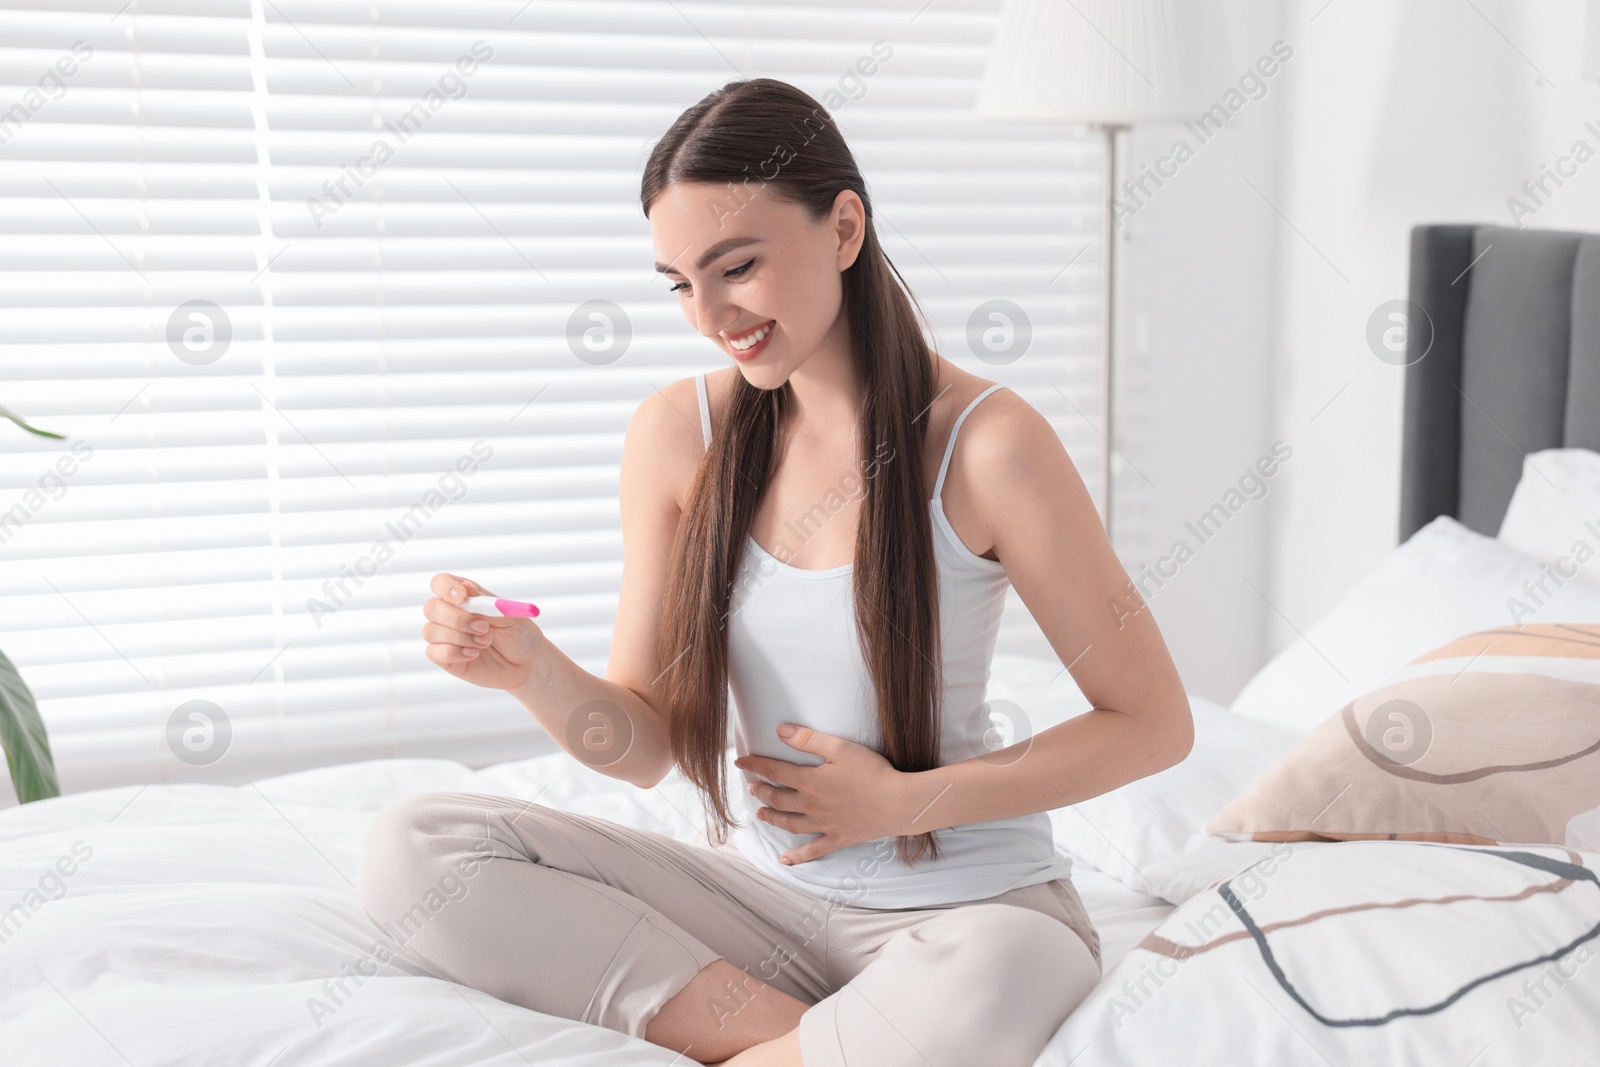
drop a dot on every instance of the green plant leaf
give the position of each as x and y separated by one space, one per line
14 417
22 732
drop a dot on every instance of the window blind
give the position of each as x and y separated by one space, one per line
305 285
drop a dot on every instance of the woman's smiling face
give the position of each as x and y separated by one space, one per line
742 264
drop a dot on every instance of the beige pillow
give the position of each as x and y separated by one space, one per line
1493 738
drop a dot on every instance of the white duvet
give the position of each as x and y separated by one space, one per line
187 924
184 924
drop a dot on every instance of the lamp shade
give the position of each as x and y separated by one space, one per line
1098 61
1591 42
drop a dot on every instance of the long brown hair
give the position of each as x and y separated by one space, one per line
894 577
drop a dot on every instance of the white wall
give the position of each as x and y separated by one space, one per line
1248 281
1195 353
1394 114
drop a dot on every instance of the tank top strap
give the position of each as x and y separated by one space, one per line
950 446
705 408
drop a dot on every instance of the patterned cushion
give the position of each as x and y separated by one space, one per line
1493 738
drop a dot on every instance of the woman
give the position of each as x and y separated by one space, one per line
896 897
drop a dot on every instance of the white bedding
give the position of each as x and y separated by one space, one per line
199 925
1361 952
211 925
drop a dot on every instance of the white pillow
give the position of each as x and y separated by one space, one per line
1443 582
1208 860
1554 515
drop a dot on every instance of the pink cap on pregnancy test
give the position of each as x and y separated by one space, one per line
511 609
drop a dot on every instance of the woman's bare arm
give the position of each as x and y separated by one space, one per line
1033 507
587 714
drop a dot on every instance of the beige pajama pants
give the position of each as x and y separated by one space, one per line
582 918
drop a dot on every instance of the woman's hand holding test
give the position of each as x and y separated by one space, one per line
487 650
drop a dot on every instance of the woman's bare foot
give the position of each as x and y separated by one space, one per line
726 1013
782 1051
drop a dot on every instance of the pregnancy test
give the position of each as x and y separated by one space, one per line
512 609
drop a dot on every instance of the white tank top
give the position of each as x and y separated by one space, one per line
793 657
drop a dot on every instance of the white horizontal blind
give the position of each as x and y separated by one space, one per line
394 208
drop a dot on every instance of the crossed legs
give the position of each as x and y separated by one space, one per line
586 919
983 983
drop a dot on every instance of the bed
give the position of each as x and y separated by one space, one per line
212 925
188 924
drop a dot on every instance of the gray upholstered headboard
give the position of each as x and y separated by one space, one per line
1513 366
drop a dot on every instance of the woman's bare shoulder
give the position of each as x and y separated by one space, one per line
1001 431
666 430
1003 425
1000 415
